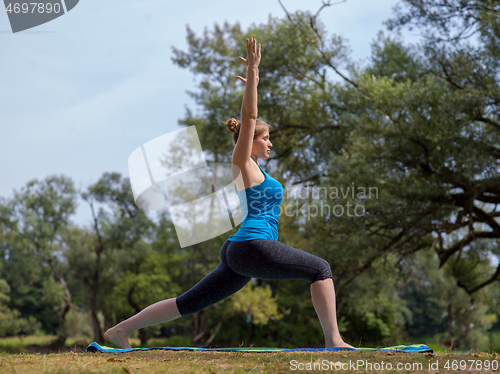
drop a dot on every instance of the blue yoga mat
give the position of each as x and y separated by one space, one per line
414 348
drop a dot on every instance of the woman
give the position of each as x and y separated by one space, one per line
253 252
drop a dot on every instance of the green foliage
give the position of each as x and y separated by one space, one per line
36 219
11 322
438 305
257 303
418 126
376 315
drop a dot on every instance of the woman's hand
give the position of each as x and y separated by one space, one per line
253 53
253 58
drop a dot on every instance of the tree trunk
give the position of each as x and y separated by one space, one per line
62 333
451 338
198 329
212 337
142 332
143 336
99 247
98 337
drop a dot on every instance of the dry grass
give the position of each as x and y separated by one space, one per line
158 361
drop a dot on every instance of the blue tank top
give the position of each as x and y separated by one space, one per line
260 213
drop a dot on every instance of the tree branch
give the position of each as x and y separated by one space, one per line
486 218
326 59
444 255
489 121
368 263
493 278
448 77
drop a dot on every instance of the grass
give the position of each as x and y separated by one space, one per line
238 362
18 342
75 361
173 341
36 343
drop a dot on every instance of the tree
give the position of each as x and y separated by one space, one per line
412 139
117 229
144 279
440 310
430 132
11 322
39 216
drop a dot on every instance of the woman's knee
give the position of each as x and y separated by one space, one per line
324 271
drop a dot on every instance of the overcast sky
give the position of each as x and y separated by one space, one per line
80 93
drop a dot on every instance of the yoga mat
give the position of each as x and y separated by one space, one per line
414 348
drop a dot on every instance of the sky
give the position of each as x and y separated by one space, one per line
80 93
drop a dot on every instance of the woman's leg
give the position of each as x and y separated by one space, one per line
323 298
273 260
219 284
162 311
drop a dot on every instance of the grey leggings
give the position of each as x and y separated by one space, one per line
241 261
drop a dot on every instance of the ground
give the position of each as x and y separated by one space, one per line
172 362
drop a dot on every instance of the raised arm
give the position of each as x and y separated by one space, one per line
243 148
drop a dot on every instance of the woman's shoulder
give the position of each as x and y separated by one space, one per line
250 171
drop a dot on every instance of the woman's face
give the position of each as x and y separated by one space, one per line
262 146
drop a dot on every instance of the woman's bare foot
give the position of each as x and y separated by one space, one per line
340 344
114 335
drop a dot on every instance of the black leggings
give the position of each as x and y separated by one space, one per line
241 261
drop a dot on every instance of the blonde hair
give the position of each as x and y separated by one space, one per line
234 126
